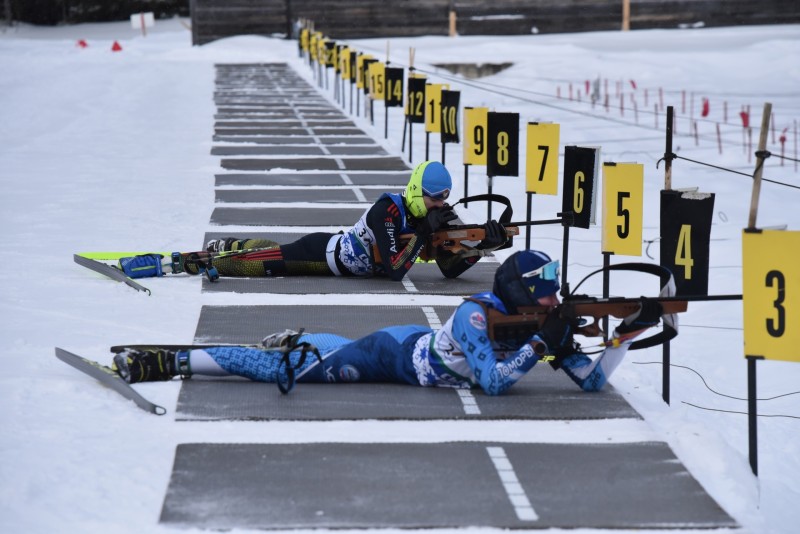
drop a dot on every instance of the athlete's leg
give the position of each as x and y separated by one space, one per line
383 356
254 363
306 256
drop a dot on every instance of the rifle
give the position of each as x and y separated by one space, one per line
530 319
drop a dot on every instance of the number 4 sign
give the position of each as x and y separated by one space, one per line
685 238
771 294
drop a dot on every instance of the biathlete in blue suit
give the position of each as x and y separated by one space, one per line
461 354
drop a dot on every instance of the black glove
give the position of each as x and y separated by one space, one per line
648 314
435 219
495 236
557 333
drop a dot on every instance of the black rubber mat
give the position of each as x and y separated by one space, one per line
325 196
372 150
294 140
435 485
315 179
292 123
425 278
322 164
542 394
250 324
286 130
285 216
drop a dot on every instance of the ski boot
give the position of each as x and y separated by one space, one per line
198 263
224 244
146 365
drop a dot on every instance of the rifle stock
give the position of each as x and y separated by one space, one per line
530 319
449 239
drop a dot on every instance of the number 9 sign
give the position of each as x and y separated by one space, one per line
475 122
771 294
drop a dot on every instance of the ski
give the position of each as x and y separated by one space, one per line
106 376
107 256
109 271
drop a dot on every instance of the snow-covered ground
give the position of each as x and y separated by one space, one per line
103 150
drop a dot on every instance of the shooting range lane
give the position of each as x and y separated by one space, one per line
334 216
387 179
307 194
439 485
293 140
424 278
455 484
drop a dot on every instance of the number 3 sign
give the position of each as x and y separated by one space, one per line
771 294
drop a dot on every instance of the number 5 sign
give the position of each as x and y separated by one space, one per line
771 294
623 202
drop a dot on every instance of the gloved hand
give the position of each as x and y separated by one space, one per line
648 314
495 236
435 219
557 332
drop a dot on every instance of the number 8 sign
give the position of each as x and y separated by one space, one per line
502 144
771 294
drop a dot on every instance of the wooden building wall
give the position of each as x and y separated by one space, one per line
351 19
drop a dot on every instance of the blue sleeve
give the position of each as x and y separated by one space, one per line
494 376
592 375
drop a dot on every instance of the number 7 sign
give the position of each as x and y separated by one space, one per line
541 162
623 204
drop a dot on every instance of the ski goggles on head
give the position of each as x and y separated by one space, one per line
548 271
437 195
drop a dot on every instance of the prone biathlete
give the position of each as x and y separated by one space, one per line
461 354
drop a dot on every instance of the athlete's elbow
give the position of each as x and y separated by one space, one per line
594 383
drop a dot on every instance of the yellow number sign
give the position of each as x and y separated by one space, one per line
377 80
344 63
623 204
771 294
360 69
433 106
475 123
541 163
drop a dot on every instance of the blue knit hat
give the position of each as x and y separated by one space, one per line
429 179
524 278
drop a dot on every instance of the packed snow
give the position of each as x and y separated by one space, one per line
104 150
